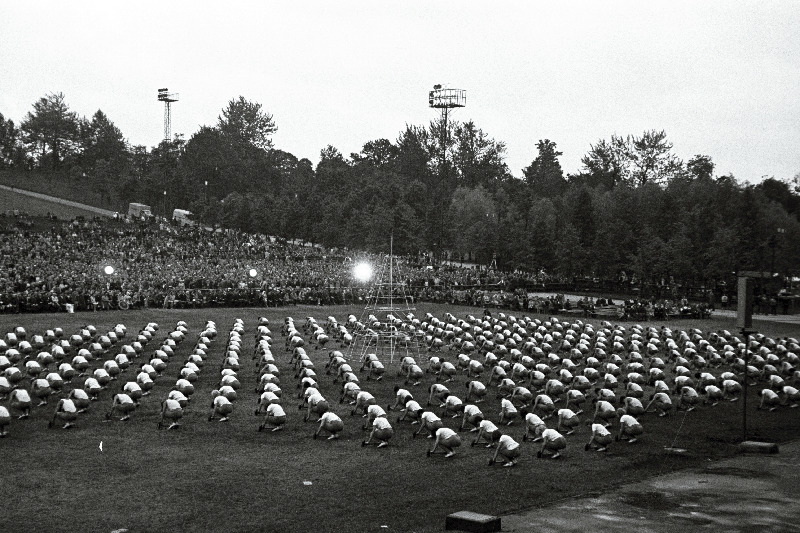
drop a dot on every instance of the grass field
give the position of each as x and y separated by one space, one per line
212 476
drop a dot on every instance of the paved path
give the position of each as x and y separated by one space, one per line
725 313
747 493
784 319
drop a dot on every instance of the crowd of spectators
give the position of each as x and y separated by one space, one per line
66 266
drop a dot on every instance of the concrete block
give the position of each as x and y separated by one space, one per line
751 446
472 522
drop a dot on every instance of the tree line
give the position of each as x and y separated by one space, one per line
635 210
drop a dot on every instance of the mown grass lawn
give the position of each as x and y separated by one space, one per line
212 476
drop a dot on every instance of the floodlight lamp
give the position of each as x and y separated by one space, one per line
108 270
253 272
362 271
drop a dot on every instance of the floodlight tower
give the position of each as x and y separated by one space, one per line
167 97
444 99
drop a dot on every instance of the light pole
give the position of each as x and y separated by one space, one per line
779 231
165 204
443 99
773 243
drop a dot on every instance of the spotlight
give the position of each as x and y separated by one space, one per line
362 271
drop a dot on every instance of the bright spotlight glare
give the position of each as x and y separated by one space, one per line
108 269
253 273
362 271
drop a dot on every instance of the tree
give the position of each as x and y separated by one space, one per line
636 161
602 165
472 220
245 122
235 212
104 142
700 167
647 159
544 175
51 129
543 224
10 150
781 192
379 153
478 159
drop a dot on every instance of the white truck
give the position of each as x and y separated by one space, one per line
139 211
183 217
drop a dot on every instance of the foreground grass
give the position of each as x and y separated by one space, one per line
211 476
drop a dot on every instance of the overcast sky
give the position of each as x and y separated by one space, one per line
721 78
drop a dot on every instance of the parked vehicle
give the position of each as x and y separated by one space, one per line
183 217
139 211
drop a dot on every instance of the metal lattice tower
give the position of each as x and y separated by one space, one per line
386 318
167 97
444 99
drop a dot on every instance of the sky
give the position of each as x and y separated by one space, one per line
722 78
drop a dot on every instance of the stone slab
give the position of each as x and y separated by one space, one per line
751 446
472 522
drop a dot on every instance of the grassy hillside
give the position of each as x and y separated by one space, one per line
12 201
61 185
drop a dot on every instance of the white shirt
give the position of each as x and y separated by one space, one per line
364 396
275 410
549 435
375 411
604 407
316 399
68 406
508 443
472 410
381 423
269 397
544 399
218 401
429 417
123 398
21 395
329 417
176 395
445 433
566 413
453 401
412 406
477 386
506 405
487 426
173 405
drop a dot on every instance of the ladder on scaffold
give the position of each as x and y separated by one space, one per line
386 319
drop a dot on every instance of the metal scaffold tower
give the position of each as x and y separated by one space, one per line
385 327
168 98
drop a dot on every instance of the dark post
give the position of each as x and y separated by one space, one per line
744 319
